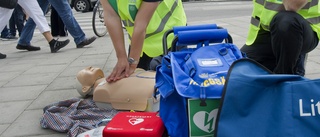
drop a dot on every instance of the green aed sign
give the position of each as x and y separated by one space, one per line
202 118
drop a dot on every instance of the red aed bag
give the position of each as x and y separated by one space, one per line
135 124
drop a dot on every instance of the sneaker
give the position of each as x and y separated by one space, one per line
86 41
27 47
9 37
56 45
2 56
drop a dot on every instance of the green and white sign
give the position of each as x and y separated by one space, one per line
202 118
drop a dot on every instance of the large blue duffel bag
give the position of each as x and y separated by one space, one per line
257 103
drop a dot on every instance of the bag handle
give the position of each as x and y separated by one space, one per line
177 29
200 37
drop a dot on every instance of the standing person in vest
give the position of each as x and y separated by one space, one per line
281 33
145 21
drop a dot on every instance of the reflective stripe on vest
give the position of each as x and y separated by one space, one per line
168 14
264 11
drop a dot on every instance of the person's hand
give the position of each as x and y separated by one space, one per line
121 70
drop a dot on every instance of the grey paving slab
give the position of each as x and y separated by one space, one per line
20 93
52 96
10 111
71 52
61 83
29 81
51 135
314 59
84 62
45 69
8 76
14 67
71 71
3 127
34 79
56 61
2 83
312 67
26 125
37 55
28 61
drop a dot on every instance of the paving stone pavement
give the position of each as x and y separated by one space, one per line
31 80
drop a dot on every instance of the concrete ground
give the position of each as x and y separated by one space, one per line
31 80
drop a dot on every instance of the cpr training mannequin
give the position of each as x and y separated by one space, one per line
133 93
86 79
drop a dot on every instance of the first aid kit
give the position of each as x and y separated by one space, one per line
135 124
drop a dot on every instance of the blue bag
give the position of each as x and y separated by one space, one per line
257 103
172 114
201 73
205 39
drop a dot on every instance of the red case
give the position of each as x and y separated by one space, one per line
135 124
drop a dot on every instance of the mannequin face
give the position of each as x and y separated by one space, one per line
88 76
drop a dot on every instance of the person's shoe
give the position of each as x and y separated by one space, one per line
9 37
86 41
27 47
2 56
56 45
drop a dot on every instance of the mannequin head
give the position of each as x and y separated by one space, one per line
87 78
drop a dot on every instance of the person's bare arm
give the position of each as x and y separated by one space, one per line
294 5
142 20
114 26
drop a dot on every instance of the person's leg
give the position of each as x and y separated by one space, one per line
5 15
65 12
19 19
6 35
36 13
28 29
37 17
4 32
54 22
155 62
62 28
261 50
300 67
144 62
292 37
12 25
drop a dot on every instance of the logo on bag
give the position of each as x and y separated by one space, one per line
208 62
205 121
314 106
210 81
135 121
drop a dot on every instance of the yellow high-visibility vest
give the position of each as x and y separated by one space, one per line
168 14
264 10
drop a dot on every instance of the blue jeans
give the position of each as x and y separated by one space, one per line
64 10
4 32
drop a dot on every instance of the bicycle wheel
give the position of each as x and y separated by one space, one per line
98 25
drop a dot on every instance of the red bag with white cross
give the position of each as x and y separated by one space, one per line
135 124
